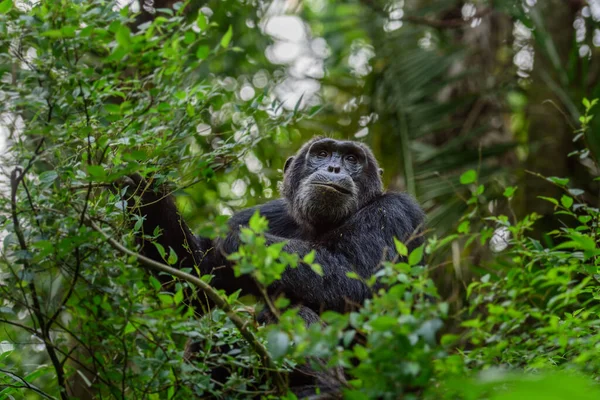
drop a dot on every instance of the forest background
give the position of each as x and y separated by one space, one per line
482 110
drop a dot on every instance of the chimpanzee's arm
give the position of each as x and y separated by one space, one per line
158 210
160 215
357 246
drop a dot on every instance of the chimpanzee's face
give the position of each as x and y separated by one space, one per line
327 177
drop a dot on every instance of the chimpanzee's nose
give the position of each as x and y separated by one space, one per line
334 168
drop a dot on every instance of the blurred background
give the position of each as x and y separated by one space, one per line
434 87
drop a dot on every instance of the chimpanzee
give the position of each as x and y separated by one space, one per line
332 202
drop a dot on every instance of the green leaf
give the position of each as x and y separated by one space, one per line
275 249
352 275
138 224
155 283
384 323
232 298
202 52
47 177
112 108
163 107
416 256
258 223
201 21
282 302
317 269
189 109
510 191
5 6
468 177
298 103
566 201
45 246
53 33
348 337
586 103
360 352
68 31
123 36
178 298
165 299
310 257
227 37
583 242
277 344
464 227
96 172
172 256
449 339
118 53
189 37
129 328
550 199
400 248
160 248
558 181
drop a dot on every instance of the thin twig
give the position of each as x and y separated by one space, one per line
25 384
15 178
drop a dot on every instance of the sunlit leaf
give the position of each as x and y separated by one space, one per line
416 255
123 36
172 260
227 37
566 201
5 6
201 21
400 248
48 177
468 177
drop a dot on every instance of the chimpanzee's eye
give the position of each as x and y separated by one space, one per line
351 159
322 154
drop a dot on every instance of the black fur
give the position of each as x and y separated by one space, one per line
332 202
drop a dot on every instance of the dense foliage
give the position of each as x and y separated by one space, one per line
194 96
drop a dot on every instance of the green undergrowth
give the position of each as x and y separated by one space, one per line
92 99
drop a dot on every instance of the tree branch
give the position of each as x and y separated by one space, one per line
24 383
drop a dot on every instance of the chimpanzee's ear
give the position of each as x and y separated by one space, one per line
380 171
287 164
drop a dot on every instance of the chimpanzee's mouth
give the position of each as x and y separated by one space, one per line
333 186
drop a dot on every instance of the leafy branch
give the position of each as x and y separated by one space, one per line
241 323
16 177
